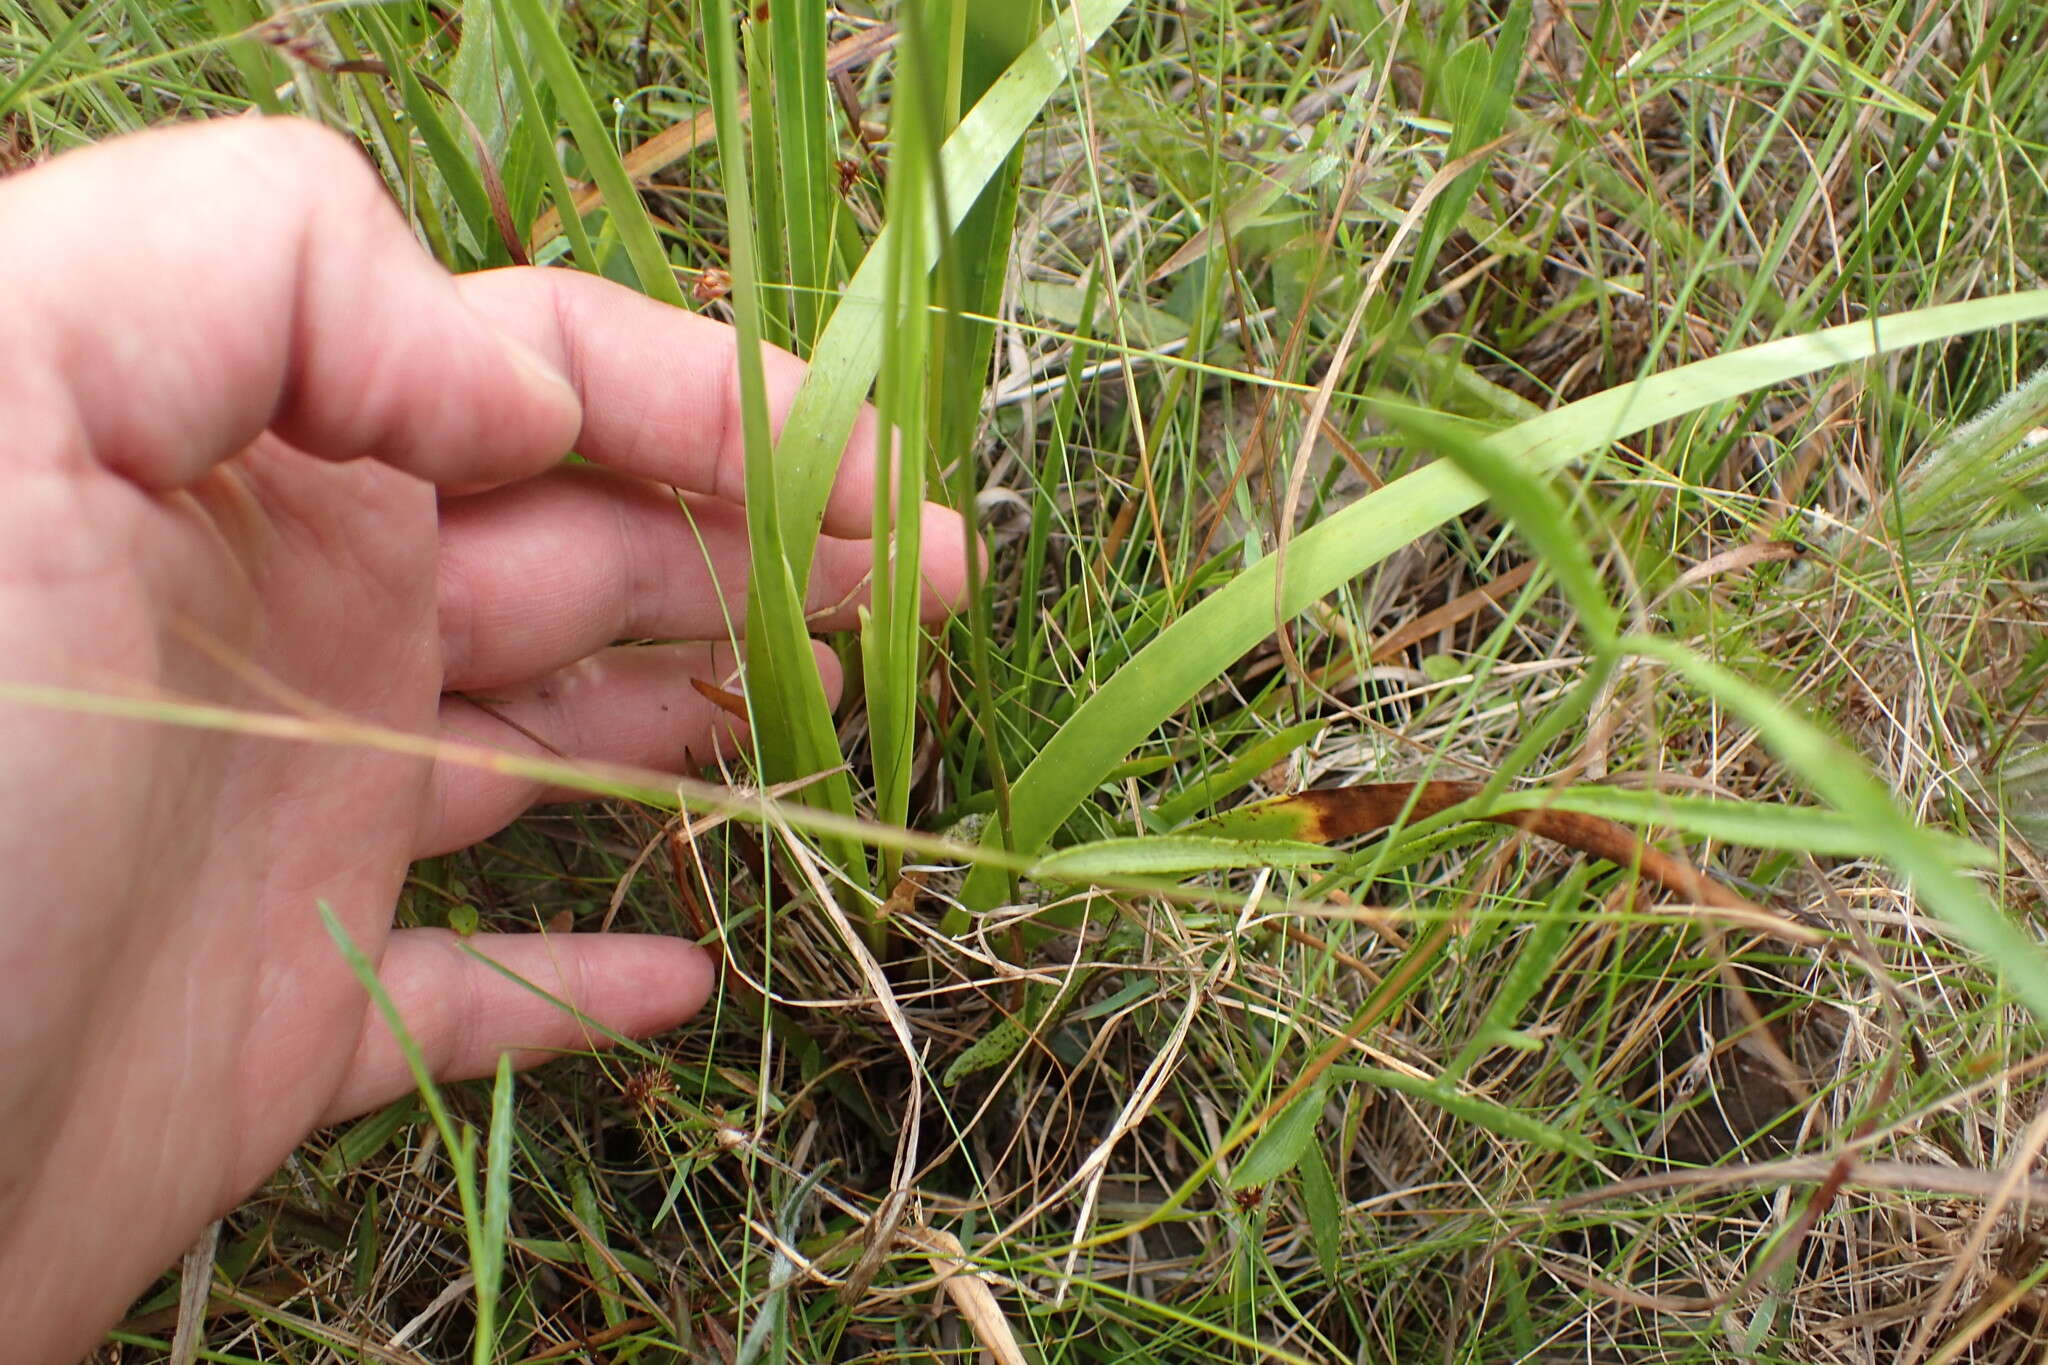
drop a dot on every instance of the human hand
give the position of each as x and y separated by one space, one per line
242 407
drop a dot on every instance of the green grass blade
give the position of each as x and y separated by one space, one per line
622 201
1477 82
842 369
1534 962
970 286
890 636
445 147
457 1139
538 138
849 351
793 732
1470 1108
1522 495
259 66
1194 650
1751 824
1844 781
1163 854
56 49
489 1265
803 148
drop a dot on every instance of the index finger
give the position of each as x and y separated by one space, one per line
173 294
660 386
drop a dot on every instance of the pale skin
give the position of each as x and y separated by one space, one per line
254 439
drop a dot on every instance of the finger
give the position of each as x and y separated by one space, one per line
282 291
540 573
633 705
464 1013
660 386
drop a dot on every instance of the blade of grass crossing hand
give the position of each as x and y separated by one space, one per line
1195 649
458 1140
793 733
843 367
889 629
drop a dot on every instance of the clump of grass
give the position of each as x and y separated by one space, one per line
1346 393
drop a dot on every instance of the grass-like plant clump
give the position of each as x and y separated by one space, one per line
1487 803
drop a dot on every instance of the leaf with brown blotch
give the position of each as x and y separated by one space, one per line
1333 814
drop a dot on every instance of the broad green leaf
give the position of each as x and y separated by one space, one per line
1477 84
1064 304
1751 824
1173 854
480 77
1325 1209
1280 1146
599 1263
991 1049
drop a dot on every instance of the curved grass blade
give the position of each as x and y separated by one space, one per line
1846 782
1216 632
1466 1107
1752 824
